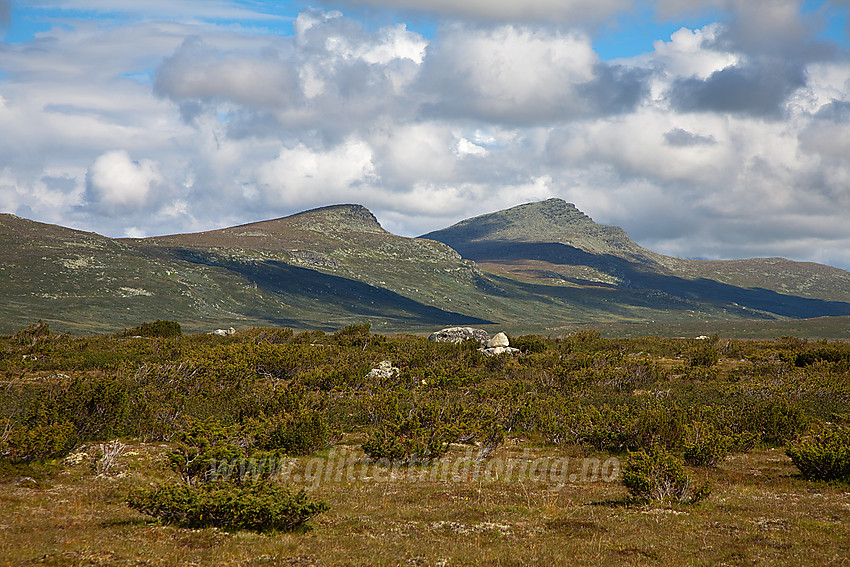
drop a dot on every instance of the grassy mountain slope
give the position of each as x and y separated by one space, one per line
83 281
86 282
553 243
541 267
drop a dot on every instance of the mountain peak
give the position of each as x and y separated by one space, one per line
550 221
542 221
347 217
330 219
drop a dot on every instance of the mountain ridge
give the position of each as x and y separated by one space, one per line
539 267
559 246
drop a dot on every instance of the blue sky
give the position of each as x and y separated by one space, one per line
706 128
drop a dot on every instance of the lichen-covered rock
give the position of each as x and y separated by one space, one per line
385 369
460 334
493 351
498 340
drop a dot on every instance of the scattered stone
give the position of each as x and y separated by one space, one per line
498 340
385 369
224 332
493 351
460 334
498 344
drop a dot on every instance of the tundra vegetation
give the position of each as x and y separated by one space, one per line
155 447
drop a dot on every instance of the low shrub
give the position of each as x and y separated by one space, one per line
32 334
260 507
529 344
25 443
835 354
776 421
705 353
299 434
704 446
824 455
353 335
158 328
658 476
415 438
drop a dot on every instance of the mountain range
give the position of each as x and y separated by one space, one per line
538 267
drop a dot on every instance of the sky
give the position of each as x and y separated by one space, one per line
705 128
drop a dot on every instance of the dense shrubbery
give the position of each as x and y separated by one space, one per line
823 455
260 506
705 352
273 391
423 435
656 475
32 334
705 446
301 433
158 328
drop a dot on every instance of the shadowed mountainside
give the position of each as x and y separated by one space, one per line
552 241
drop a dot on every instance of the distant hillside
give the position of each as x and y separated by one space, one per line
553 243
84 282
542 267
549 221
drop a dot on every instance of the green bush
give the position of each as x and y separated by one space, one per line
658 476
420 437
824 455
835 354
260 507
776 421
32 334
200 445
158 328
353 335
38 442
704 446
705 353
529 344
299 434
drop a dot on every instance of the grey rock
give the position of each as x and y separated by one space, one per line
385 369
498 340
460 334
493 351
224 332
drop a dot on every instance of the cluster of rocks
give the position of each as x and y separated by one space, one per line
490 346
385 369
224 332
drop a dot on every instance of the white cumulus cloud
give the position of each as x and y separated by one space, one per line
118 184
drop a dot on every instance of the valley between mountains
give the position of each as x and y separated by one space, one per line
542 267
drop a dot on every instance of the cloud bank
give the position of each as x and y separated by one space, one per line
725 140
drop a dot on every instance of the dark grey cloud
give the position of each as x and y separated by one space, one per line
757 89
682 138
836 111
199 73
615 89
332 78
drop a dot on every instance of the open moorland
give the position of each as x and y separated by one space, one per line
271 447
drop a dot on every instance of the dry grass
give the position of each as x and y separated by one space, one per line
760 513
